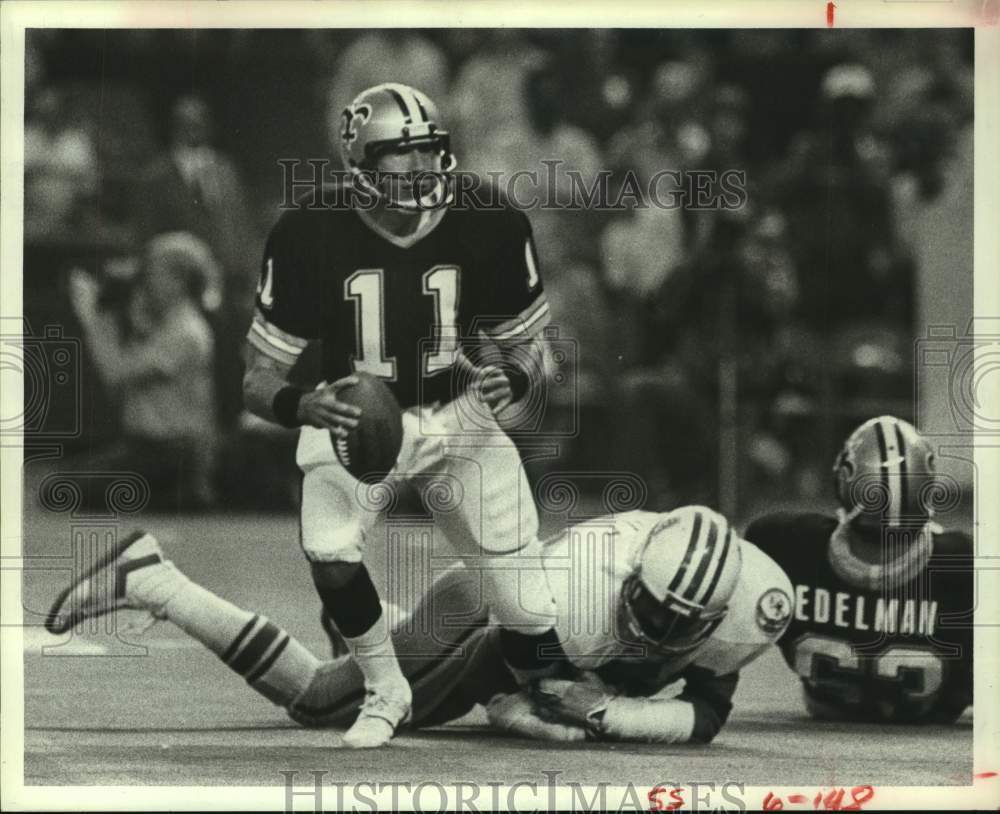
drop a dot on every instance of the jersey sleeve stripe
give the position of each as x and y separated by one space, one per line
275 331
530 322
264 346
276 341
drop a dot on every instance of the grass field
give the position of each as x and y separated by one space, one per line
158 709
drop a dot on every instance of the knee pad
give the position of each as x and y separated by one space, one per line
348 594
333 575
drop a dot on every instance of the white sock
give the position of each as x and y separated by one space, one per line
376 657
271 661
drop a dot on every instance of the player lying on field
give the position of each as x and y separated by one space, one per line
882 629
645 600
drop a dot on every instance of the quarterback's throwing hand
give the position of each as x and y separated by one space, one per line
495 388
321 408
488 382
515 713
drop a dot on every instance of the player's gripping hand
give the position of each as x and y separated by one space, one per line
515 713
495 388
321 408
579 703
489 383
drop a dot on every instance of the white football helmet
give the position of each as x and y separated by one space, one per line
388 117
684 576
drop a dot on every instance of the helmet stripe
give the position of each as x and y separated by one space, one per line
692 544
883 456
395 94
706 558
903 498
889 469
719 568
420 106
895 507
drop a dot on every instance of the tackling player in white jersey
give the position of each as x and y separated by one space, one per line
644 600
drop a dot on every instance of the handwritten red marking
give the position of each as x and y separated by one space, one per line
833 800
829 14
772 803
984 775
860 795
656 804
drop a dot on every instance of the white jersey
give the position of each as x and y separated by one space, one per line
586 566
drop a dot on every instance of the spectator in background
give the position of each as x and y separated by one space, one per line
727 127
194 187
386 55
639 251
664 125
597 89
159 364
835 194
723 312
60 170
551 137
725 142
780 71
520 145
488 102
678 98
639 248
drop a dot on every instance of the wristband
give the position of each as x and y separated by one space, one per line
285 406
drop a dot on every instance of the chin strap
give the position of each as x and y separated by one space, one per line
429 219
440 197
892 569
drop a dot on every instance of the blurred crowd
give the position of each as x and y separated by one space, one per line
766 328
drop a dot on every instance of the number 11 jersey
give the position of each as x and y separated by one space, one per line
889 642
399 313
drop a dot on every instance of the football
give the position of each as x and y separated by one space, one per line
370 450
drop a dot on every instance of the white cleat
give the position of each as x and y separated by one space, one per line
101 589
379 719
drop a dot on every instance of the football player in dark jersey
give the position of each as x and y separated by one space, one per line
406 290
882 627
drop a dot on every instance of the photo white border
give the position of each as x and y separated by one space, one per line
17 15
